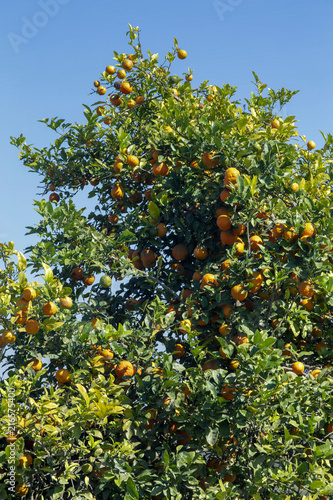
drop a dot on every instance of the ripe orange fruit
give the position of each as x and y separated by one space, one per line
227 310
309 230
308 304
229 478
208 160
49 309
107 354
110 70
238 292
294 187
121 73
101 90
132 160
180 252
21 317
311 145
210 365
255 241
227 238
224 194
161 230
224 329
124 369
117 192
182 54
115 100
320 346
306 289
25 461
238 231
230 176
37 365
228 392
278 230
63 375
126 88
240 339
96 83
240 246
316 332
275 123
234 364
140 99
21 490
29 294
285 352
208 280
148 258
223 222
200 253
127 64
315 373
256 281
196 276
77 274
161 169
189 78
298 368
32 326
184 325
8 337
66 303
54 197
88 280
179 351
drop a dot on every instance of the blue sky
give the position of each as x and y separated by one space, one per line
52 50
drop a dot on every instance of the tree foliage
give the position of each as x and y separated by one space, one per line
180 380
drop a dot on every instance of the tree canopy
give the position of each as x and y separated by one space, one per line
176 340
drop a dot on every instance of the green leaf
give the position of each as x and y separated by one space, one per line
153 209
131 490
212 435
48 273
83 393
22 261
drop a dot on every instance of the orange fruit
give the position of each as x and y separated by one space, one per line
182 54
25 461
240 246
107 354
311 145
238 292
298 368
316 332
66 303
210 365
200 253
320 346
208 280
240 339
184 325
234 364
148 258
110 70
306 289
127 64
117 192
8 337
101 90
255 241
189 78
140 99
275 123
161 230
126 88
130 104
294 187
208 160
256 281
49 309
37 365
32 326
54 197
238 231
228 392
227 310
133 160
77 273
224 329
196 276
180 252
278 230
227 238
21 317
315 373
63 375
308 304
179 351
309 230
223 222
224 194
29 294
230 176
161 169
121 73
100 110
115 100
21 490
124 369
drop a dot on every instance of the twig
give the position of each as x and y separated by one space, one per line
156 280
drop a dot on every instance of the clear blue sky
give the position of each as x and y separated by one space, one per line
52 50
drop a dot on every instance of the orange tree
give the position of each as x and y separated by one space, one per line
205 373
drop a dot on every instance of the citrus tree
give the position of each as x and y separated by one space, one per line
177 341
